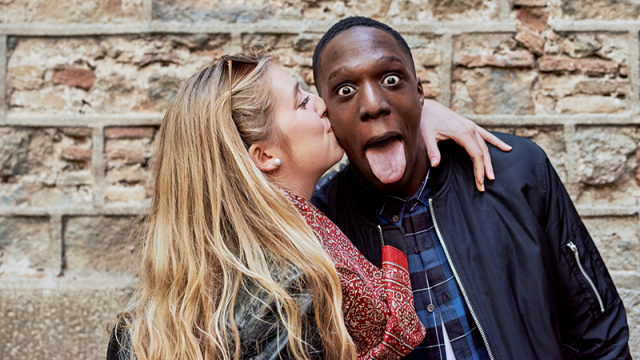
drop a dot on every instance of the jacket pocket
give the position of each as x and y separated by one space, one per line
587 283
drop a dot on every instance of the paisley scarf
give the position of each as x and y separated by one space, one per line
377 302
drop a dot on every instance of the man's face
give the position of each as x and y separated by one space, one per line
374 103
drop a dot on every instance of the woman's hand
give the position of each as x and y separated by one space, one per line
441 123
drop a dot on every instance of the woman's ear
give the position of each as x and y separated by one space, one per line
263 156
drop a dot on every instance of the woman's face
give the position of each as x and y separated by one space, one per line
302 117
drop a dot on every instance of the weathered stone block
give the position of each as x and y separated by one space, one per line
590 46
493 91
626 279
531 40
129 133
81 78
100 244
70 11
631 299
425 50
617 240
499 81
590 104
105 74
499 50
607 166
27 249
588 66
45 166
534 18
251 11
550 139
530 3
599 9
128 151
575 73
607 155
57 324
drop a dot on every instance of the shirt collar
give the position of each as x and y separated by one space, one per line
391 207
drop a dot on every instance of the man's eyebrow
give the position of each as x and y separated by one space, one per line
337 72
386 58
389 58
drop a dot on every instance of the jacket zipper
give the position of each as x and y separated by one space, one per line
381 237
574 249
455 274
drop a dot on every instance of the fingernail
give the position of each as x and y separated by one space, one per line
482 187
492 176
433 161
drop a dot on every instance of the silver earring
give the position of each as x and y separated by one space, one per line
277 162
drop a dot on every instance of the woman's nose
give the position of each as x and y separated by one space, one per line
319 105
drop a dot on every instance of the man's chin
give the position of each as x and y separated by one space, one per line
391 187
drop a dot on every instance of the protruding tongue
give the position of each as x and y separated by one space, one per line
387 160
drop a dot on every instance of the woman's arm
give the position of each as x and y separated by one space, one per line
441 123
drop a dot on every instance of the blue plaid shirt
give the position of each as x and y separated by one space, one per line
436 294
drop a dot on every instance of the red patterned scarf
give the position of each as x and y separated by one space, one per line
377 303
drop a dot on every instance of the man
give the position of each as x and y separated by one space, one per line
510 273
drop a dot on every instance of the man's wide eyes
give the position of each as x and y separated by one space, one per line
391 80
345 90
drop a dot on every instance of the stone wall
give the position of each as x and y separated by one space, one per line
85 83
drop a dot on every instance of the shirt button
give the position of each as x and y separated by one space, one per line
430 308
416 250
395 218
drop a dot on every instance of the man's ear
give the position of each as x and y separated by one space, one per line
263 156
420 91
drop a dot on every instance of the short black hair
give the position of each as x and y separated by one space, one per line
348 23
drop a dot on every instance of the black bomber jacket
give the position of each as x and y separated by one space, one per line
526 266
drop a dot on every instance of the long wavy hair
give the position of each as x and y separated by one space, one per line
217 225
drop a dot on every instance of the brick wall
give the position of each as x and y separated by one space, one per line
85 83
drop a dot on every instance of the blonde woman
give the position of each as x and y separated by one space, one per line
236 263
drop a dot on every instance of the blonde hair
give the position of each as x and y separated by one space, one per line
217 224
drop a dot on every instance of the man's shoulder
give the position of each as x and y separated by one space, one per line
526 158
526 163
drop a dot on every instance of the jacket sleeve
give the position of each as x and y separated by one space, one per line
119 345
262 334
593 320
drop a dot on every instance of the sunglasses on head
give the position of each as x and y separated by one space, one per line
241 60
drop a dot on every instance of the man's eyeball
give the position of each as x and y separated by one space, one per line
391 80
345 90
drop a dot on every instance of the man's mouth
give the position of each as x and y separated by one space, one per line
386 158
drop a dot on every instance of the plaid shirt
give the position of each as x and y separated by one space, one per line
436 294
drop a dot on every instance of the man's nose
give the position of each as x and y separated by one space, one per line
373 102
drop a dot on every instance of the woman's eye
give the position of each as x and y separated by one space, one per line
391 80
346 90
305 102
